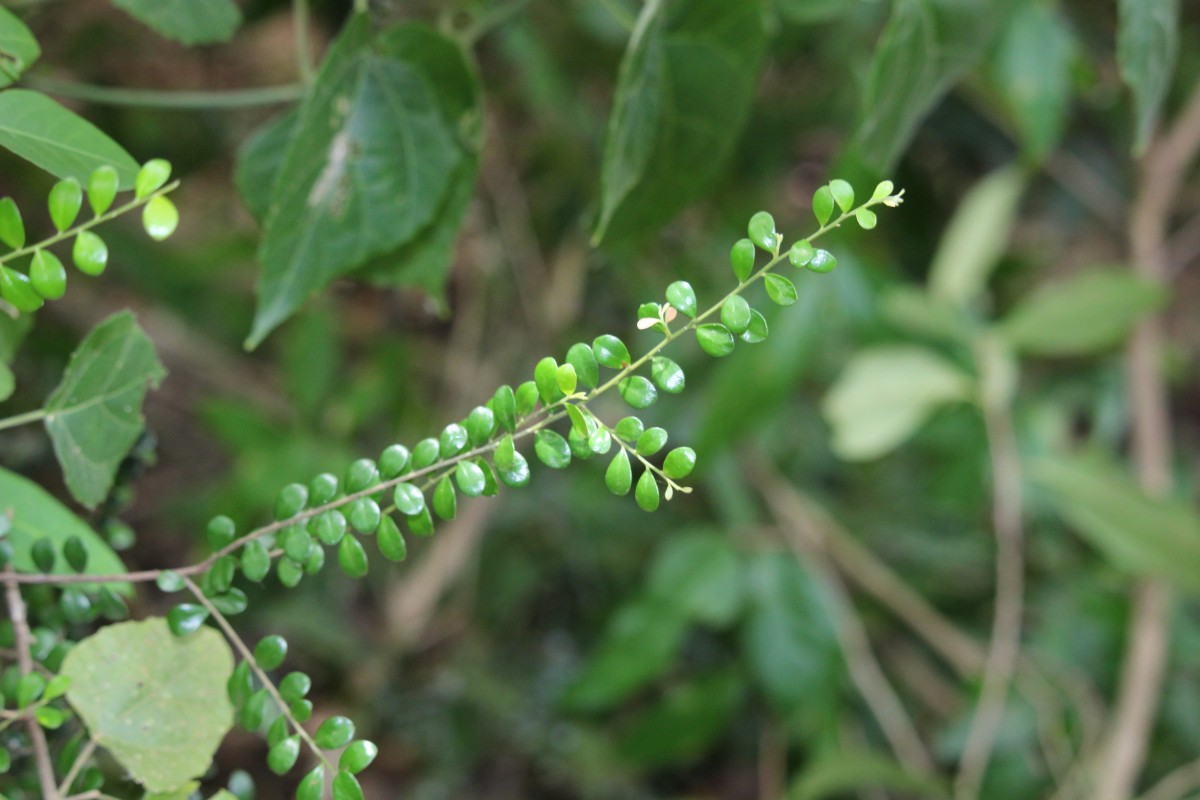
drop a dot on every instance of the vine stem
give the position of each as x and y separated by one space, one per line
20 622
1004 649
111 214
80 761
170 99
37 415
248 656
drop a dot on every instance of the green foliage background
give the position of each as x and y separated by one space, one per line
558 642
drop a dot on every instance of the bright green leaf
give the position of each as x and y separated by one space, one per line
715 339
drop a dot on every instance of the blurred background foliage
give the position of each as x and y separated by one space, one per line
560 643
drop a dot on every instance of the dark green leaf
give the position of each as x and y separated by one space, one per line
684 89
334 732
735 314
352 558
504 405
445 501
837 775
637 391
701 575
781 291
186 618
94 416
611 352
187 21
715 339
517 475
270 651
619 475
667 375
681 295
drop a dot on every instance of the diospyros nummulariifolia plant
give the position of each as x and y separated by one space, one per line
414 487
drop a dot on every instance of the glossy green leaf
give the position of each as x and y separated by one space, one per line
583 360
629 429
517 475
329 527
681 295
445 501
715 339
619 475
801 253
89 253
741 258
566 379
552 449
282 757
186 21
160 217
1031 68
667 375
580 424
885 394
651 441
647 493
334 732
18 48
545 376
611 352
679 463
156 703
425 453
469 478
638 391
843 194
526 398
976 237
66 198
59 141
1134 532
1090 312
822 205
16 288
12 227
453 440
47 275
358 756
153 175
346 787
102 188
408 499
781 291
290 500
866 219
504 405
1147 46
352 558
481 422
391 540
256 561
364 515
372 160
822 261
270 651
683 92
927 46
600 441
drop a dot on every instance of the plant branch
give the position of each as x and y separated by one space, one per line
37 415
169 99
80 761
263 678
1162 172
1004 650
20 622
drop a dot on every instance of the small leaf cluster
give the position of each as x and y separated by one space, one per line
45 277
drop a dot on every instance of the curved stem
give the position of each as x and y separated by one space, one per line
37 415
169 99
23 638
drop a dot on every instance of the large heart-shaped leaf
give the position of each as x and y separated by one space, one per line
156 702
685 86
95 414
187 21
375 152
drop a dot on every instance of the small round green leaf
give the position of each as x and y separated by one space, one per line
18 291
629 429
667 375
504 406
781 291
282 757
610 351
646 494
517 475
735 314
823 261
741 258
801 253
323 488
581 357
843 193
469 478
425 453
102 188
762 231
364 515
313 784
526 398
445 501
408 499
681 295
715 339
291 500
256 561
393 460
89 253
391 540
75 605
883 189
822 204
619 475
186 618
329 527
352 558
453 440
151 177
296 543
757 330
679 463
48 275
12 228
294 686
345 787
334 732
362 474
566 379
66 198
219 532
600 441
637 391
552 449
481 423
866 218
76 553
580 424
545 376
270 651
44 555
651 441
357 756
29 688
421 524
160 218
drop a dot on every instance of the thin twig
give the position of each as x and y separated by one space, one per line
20 623
1004 650
172 99
80 761
1144 667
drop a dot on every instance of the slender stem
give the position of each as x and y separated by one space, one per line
304 62
1178 783
37 415
1004 650
242 648
80 761
112 213
492 19
621 14
20 622
170 99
